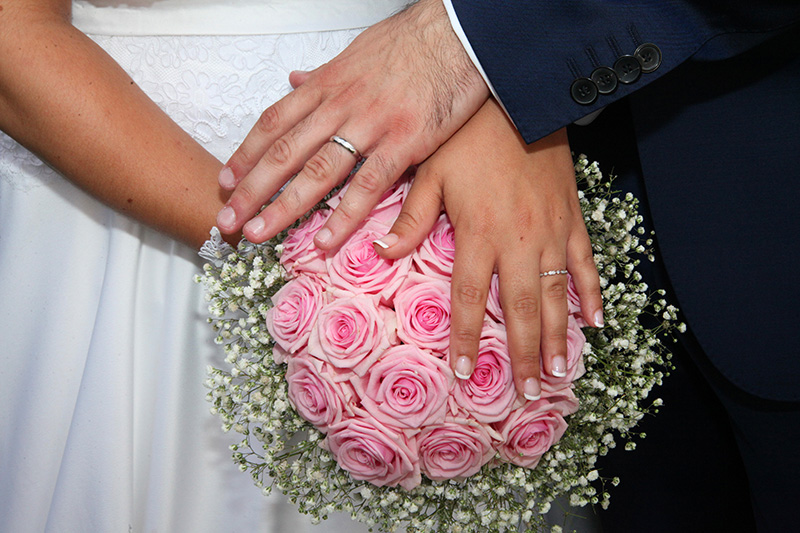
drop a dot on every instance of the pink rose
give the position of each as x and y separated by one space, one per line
373 452
423 312
351 333
357 268
299 252
434 257
456 449
279 355
575 366
573 301
531 430
493 301
336 199
295 309
392 201
316 397
407 388
489 394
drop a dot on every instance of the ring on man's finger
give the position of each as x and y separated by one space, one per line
346 145
552 273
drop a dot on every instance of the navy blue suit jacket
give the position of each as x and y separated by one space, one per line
717 127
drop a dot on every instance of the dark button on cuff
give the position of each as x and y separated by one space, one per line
583 91
628 69
605 79
649 56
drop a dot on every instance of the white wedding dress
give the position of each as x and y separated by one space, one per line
104 344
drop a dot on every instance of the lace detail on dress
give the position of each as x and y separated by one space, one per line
214 87
20 168
215 249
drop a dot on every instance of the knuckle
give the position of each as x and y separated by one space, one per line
524 220
594 291
289 202
585 259
382 166
280 152
526 358
580 253
556 291
525 306
320 167
465 336
330 72
405 125
468 293
246 156
245 195
345 212
268 121
242 159
346 91
555 336
370 181
482 226
406 221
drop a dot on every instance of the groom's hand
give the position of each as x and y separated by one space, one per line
399 91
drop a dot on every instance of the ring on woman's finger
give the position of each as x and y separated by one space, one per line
346 145
552 273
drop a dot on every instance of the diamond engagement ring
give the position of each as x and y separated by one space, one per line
346 145
552 273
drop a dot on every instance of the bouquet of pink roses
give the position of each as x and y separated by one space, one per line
366 340
338 376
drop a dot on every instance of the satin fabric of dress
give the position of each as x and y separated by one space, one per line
105 426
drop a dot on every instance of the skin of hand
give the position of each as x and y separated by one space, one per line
515 211
65 99
400 89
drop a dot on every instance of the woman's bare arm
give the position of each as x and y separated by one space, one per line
65 99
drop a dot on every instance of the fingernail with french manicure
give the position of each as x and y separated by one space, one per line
226 218
254 226
387 241
226 179
532 389
598 319
463 367
559 366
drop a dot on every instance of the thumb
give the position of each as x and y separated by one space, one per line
298 77
420 211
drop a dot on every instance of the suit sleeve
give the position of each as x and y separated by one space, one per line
551 63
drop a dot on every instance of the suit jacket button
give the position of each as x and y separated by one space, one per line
628 69
605 79
649 56
583 91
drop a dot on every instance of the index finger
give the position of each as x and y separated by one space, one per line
276 121
283 158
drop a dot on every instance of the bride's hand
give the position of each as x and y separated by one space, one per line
515 211
396 93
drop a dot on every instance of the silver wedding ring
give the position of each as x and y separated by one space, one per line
346 145
552 273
